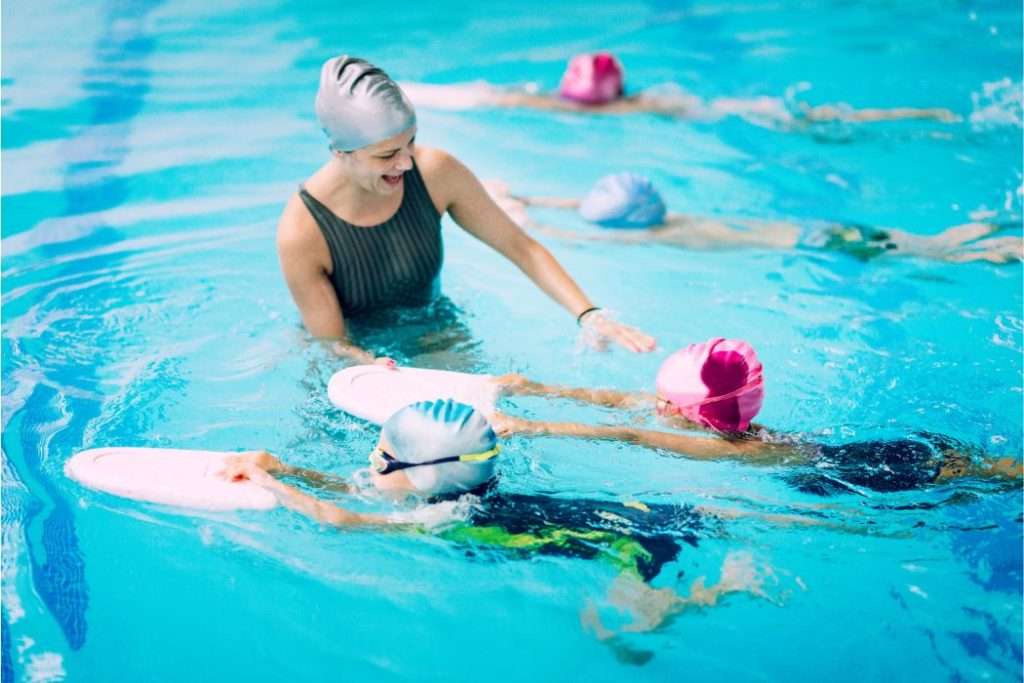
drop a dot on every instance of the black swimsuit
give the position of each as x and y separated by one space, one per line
880 465
395 263
638 539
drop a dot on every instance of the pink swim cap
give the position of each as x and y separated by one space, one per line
593 79
717 384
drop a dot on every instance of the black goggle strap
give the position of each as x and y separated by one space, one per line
393 465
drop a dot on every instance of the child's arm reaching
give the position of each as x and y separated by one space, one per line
246 468
518 385
271 464
699 447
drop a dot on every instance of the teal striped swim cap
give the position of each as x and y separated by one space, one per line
431 430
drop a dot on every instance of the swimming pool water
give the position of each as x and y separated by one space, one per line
148 148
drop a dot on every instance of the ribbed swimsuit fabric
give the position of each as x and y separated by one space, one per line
395 263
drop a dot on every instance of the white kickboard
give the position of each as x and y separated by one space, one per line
168 476
375 393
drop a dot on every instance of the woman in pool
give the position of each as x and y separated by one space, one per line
595 84
364 233
443 449
634 212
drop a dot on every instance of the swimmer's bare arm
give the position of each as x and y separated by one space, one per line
697 447
827 112
632 104
272 464
304 262
515 384
621 236
460 96
549 202
294 499
691 232
472 207
676 105
480 94
774 109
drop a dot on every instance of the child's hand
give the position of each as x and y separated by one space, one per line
262 459
512 380
244 467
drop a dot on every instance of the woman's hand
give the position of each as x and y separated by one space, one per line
361 356
599 329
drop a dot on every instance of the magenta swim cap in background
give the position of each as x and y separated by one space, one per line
717 384
593 79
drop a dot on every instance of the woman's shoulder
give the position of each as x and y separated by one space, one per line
433 161
297 229
437 164
444 175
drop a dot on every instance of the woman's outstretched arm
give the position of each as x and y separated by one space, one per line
688 232
475 211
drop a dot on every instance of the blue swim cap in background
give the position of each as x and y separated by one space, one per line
623 200
430 430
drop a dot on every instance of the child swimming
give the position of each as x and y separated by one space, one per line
635 213
443 450
594 83
717 387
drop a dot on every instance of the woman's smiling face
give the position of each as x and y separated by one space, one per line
380 167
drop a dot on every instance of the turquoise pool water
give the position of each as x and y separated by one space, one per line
147 150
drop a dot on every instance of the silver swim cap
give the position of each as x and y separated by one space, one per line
432 430
358 104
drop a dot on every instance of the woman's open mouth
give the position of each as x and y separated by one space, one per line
393 180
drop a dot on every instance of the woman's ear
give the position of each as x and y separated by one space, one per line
341 155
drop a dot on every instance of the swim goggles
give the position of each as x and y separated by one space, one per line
385 463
